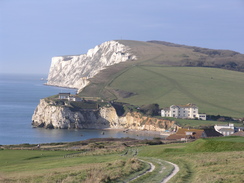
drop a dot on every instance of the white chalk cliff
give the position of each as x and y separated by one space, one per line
74 71
49 115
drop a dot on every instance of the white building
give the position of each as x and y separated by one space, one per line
69 97
74 98
63 95
189 111
226 130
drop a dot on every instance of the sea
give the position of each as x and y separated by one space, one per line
20 95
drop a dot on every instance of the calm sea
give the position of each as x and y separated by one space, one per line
19 96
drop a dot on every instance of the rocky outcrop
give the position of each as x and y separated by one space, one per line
48 115
74 71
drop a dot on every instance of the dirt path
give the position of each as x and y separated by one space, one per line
152 167
175 171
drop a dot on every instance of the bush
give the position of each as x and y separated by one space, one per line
154 142
150 109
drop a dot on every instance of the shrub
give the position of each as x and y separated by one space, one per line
154 142
150 110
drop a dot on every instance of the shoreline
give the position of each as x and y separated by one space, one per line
45 84
102 134
126 130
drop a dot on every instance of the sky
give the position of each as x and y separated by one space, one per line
34 31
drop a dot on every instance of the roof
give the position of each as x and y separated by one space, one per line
175 137
222 125
77 96
64 93
212 133
240 133
181 133
189 105
166 109
184 130
225 126
226 130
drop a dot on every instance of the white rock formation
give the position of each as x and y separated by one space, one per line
74 71
49 115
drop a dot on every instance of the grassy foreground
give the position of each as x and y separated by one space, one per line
205 160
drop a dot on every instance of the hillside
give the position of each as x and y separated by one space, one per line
170 54
225 59
163 73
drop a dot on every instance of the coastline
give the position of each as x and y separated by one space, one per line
138 132
72 88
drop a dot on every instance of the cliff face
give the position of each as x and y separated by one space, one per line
74 71
48 115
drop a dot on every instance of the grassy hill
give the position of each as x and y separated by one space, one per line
231 143
160 75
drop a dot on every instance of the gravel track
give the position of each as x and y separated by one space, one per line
175 171
152 167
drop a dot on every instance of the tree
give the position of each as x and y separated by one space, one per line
150 109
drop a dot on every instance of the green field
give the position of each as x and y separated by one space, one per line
205 160
215 91
168 75
190 123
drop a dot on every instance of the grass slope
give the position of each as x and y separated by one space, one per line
215 91
219 144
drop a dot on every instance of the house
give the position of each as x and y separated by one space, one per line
188 111
75 98
63 95
184 134
237 129
226 130
69 97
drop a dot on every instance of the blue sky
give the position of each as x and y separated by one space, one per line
34 31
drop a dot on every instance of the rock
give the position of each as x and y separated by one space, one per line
47 115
